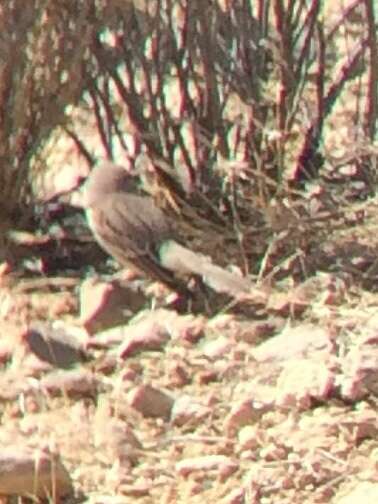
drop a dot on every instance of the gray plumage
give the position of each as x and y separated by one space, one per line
136 232
130 227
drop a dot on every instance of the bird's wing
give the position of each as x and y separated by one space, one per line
131 228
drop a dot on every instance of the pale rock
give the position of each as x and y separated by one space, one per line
359 368
365 492
248 438
294 342
220 464
146 335
236 496
187 411
217 348
303 380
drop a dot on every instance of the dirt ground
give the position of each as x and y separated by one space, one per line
272 404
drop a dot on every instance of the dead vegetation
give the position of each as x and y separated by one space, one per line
253 125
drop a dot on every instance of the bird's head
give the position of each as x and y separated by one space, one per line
104 179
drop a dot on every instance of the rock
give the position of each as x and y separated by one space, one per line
252 331
363 491
71 383
151 402
151 330
107 304
242 413
294 342
220 464
236 496
56 346
187 411
248 438
359 367
146 335
303 380
217 348
178 374
33 472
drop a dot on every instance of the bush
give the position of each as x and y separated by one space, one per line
223 103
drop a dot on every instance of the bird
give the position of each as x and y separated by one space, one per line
134 230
